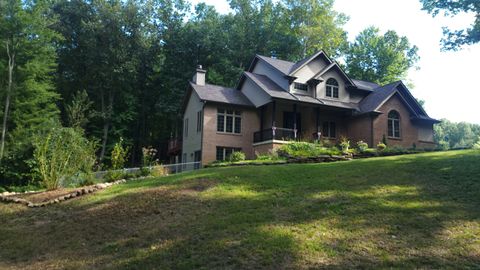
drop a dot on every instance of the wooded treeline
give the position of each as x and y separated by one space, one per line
118 69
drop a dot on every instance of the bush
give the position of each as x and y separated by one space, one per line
305 149
148 156
236 156
114 175
443 145
119 155
344 144
362 146
62 154
381 146
477 144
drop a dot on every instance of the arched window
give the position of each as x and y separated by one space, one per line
393 124
332 88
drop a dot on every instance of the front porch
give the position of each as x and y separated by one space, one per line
283 121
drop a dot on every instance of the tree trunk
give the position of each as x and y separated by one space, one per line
11 64
107 111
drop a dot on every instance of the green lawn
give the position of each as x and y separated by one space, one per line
412 211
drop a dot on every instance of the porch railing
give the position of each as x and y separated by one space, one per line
275 133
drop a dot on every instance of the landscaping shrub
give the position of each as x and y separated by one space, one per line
236 156
477 144
119 155
148 156
62 154
362 146
381 146
344 144
305 149
114 175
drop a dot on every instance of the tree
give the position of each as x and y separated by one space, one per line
27 54
27 63
380 58
455 39
316 26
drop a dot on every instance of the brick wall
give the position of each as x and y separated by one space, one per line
360 129
408 129
211 138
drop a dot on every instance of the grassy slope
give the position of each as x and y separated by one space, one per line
394 212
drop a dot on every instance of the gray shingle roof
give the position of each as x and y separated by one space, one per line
365 85
374 99
282 65
269 86
221 94
275 91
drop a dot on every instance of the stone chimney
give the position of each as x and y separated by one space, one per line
199 77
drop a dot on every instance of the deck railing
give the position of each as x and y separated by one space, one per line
275 133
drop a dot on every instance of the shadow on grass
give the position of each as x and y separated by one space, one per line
400 212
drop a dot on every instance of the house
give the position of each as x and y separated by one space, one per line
276 101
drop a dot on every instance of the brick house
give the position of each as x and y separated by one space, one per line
276 101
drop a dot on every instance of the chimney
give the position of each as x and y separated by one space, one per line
199 77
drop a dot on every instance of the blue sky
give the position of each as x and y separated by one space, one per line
445 80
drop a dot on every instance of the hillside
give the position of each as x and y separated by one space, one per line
401 212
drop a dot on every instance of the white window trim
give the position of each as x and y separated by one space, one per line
391 121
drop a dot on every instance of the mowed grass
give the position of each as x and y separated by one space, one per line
404 212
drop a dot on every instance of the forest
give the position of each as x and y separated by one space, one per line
106 76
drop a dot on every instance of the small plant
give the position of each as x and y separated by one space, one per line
384 139
381 146
236 156
344 144
148 156
362 146
119 155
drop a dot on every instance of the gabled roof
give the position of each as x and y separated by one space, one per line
276 92
373 101
220 94
298 65
380 95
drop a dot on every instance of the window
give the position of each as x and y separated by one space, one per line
224 153
199 121
300 86
329 129
332 88
229 121
185 128
393 124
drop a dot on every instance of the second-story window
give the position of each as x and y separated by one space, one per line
300 86
332 88
229 121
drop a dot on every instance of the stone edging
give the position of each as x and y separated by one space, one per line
73 194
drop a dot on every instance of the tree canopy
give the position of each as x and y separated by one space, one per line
455 39
380 58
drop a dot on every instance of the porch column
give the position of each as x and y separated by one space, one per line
317 112
274 112
295 121
262 115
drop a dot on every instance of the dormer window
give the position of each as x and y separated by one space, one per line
300 86
332 88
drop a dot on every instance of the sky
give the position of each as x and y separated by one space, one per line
445 80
